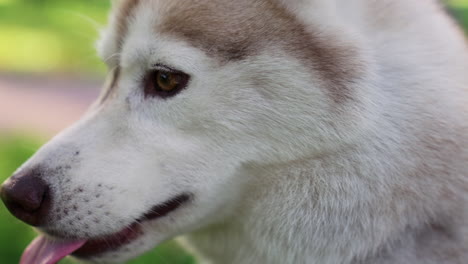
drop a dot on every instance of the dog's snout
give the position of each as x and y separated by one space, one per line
26 196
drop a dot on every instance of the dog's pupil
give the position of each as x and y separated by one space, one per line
164 78
165 81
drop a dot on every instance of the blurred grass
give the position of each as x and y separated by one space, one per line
15 236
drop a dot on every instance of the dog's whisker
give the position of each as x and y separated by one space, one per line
97 27
107 59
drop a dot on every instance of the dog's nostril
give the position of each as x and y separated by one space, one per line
24 195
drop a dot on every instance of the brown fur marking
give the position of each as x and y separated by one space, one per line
234 30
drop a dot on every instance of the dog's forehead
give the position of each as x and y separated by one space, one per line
229 29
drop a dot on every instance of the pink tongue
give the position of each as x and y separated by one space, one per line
47 251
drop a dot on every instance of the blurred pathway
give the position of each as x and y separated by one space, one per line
43 105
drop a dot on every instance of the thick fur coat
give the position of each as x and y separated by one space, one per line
310 132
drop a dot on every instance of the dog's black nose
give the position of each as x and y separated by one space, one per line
26 196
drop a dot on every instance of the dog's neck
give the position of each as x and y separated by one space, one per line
332 209
327 217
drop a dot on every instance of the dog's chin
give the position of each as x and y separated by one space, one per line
110 243
116 248
120 247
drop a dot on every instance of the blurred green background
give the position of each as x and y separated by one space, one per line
50 43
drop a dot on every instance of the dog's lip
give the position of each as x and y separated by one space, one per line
165 208
112 242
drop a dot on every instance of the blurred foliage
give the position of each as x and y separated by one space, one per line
15 236
459 9
51 35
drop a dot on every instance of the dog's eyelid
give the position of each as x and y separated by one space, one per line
163 67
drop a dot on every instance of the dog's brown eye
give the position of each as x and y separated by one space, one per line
165 83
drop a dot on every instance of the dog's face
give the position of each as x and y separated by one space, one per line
196 91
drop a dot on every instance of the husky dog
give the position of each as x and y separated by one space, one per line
269 131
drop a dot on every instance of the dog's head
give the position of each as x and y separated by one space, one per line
196 91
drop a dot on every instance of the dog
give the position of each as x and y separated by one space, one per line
266 132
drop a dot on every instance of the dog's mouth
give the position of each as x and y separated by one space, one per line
47 250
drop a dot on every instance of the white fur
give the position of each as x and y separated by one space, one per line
281 175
